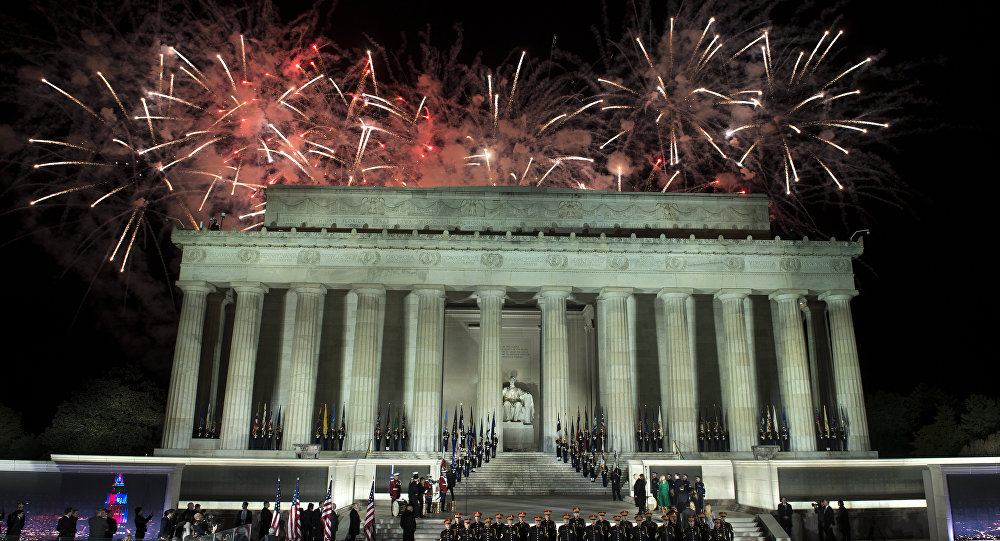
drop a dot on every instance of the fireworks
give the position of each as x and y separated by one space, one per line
182 124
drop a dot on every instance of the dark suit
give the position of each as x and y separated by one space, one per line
98 528
639 493
264 522
408 522
355 525
66 527
844 524
785 517
141 525
824 516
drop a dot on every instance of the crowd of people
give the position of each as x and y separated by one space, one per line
671 527
670 492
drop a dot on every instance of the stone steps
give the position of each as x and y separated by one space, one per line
745 528
529 474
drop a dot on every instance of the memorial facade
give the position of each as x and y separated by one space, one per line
526 304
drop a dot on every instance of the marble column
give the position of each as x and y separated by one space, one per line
555 361
237 404
615 364
678 376
428 361
793 367
489 390
846 372
213 391
366 366
178 426
741 375
310 301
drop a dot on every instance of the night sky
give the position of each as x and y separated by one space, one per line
925 276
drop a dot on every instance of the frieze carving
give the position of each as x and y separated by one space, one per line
194 255
557 261
570 209
734 264
248 255
618 262
430 258
373 205
676 263
308 257
473 207
668 210
840 265
491 260
790 264
370 257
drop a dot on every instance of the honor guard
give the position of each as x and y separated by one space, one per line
508 532
618 531
645 530
537 532
704 527
589 532
487 532
603 527
395 487
577 522
725 527
522 527
549 526
691 532
458 529
477 527
497 525
665 531
717 534
446 533
567 532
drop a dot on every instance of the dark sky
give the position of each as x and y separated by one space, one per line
923 314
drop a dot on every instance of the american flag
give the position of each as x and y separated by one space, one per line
276 518
294 524
326 513
370 515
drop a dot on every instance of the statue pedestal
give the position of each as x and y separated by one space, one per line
518 436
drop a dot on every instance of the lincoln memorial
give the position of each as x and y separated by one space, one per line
526 303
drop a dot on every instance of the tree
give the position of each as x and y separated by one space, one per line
981 417
10 430
943 437
891 424
119 413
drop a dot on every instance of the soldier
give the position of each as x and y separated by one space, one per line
691 532
458 529
577 522
704 528
508 532
487 532
619 532
468 528
626 524
549 525
665 531
395 487
645 530
717 533
616 484
537 532
476 528
726 528
567 532
522 526
446 533
497 525
589 532
603 527
699 487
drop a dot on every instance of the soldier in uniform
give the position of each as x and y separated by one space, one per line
603 527
537 532
567 531
725 527
589 532
699 487
645 530
691 532
395 487
508 532
458 529
704 528
626 524
577 522
488 532
665 531
549 525
619 532
717 533
446 533
522 527
497 525
476 528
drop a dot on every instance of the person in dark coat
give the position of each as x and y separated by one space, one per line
98 525
66 526
141 524
843 522
264 520
354 526
825 520
785 515
639 493
112 523
245 516
166 526
408 522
